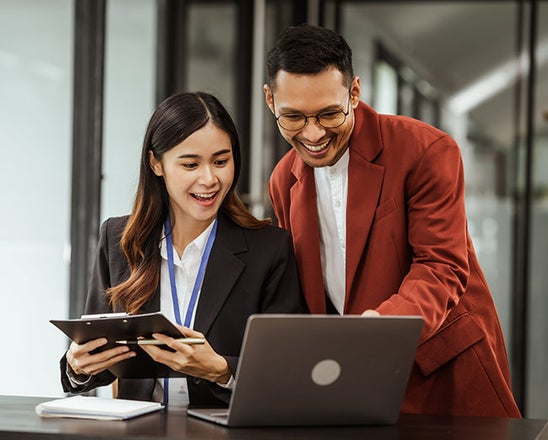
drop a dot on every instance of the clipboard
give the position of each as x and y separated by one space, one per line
121 326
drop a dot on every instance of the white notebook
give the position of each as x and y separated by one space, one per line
89 407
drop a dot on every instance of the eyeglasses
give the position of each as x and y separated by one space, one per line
326 119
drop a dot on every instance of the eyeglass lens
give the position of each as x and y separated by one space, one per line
327 119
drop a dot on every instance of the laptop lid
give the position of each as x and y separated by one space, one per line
321 370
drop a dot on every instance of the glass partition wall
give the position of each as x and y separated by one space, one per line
484 88
537 348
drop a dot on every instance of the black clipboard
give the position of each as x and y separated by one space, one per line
115 327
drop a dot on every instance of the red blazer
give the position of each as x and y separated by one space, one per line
408 253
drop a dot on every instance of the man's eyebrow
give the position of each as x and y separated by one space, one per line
196 156
325 109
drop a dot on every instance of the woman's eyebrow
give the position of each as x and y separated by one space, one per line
197 156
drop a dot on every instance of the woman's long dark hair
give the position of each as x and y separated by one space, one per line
174 120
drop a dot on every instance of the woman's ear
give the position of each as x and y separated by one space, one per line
155 164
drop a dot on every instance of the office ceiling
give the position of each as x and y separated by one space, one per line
460 45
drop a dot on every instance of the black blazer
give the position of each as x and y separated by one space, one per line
249 271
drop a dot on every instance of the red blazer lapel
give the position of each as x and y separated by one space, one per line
364 187
304 228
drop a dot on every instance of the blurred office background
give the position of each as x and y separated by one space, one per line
79 80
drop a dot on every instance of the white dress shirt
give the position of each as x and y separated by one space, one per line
332 190
186 270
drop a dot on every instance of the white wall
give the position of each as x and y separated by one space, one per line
35 147
36 64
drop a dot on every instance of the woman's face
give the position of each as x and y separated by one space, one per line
198 174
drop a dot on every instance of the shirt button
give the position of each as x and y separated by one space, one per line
338 203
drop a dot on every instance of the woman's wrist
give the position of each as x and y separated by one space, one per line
223 373
77 380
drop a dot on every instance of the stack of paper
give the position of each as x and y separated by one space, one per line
88 407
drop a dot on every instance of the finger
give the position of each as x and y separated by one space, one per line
92 364
106 355
99 367
88 346
165 357
80 352
162 338
190 333
173 343
151 350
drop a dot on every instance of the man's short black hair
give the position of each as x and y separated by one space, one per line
307 49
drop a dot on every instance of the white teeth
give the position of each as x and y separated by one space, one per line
205 196
315 148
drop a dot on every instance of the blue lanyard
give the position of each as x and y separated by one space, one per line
197 283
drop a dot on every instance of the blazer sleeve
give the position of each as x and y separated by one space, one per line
96 303
437 235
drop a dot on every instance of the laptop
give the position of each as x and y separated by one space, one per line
313 370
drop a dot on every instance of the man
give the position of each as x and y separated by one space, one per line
375 206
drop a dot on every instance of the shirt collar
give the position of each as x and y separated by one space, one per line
339 167
199 242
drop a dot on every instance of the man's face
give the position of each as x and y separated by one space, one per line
310 95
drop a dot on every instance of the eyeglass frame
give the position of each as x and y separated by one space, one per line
316 116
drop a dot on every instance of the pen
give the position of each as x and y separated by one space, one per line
156 342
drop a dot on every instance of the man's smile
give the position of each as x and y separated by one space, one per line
316 148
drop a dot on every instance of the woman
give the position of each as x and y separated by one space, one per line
191 249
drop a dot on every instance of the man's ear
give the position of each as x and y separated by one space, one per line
155 164
269 98
355 91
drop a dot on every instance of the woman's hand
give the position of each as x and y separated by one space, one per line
199 360
82 362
